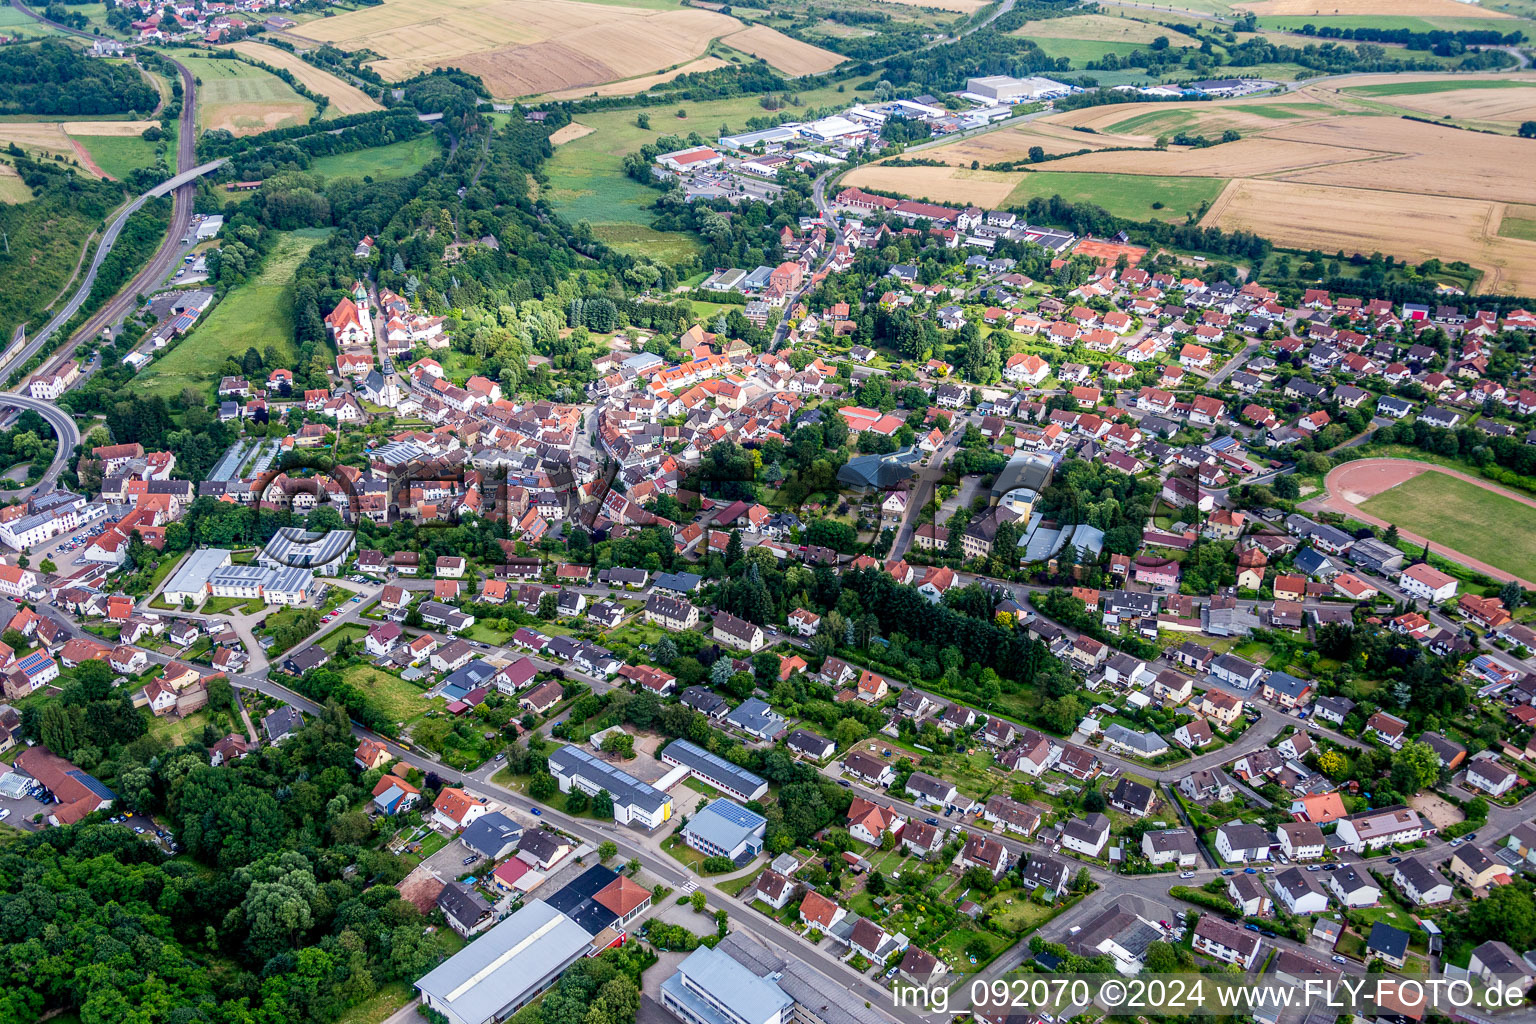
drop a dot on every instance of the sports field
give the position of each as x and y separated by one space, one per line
256 314
244 100
345 97
528 47
1463 516
396 160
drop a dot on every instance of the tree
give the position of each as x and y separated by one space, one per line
1333 764
876 884
1160 958
602 805
607 850
1093 801
542 786
1415 766
698 899
1528 129
1510 593
549 605
576 802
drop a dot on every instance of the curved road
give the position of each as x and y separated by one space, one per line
183 187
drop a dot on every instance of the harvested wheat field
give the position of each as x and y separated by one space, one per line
632 86
1256 157
1305 216
960 6
1101 28
45 137
1506 100
1015 143
570 133
345 97
790 56
938 184
1395 8
116 129
1418 157
1143 122
525 47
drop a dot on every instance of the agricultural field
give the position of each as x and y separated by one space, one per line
1118 29
257 314
73 140
1518 222
1415 227
120 155
1496 103
790 56
586 180
1473 520
235 97
345 97
396 160
530 47
12 188
1133 196
939 184
1303 172
1361 8
631 86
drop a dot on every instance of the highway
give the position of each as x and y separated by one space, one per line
183 187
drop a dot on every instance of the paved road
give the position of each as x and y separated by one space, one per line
834 237
64 429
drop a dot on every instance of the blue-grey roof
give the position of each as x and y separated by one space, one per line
506 964
488 834
93 784
712 767
1387 939
678 582
755 716
745 995
1284 682
466 678
1145 742
293 546
625 789
1310 561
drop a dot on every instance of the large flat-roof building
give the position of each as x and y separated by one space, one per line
731 779
726 829
1007 89
505 968
712 988
321 552
190 580
634 802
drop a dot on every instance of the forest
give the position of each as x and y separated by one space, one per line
55 78
280 910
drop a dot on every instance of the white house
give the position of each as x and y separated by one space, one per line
1300 840
1239 843
1427 583
1354 889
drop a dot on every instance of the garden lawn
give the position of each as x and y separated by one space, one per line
1124 195
1461 515
394 696
254 315
396 160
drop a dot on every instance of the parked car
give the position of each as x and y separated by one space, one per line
1187 874
536 812
1339 960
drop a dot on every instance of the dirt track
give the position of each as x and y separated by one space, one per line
1354 482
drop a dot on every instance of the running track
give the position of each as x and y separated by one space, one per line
1369 477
